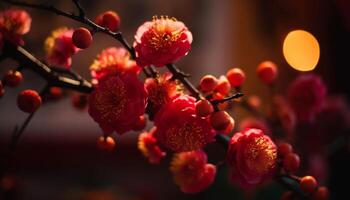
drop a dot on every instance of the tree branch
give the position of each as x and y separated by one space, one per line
179 75
29 61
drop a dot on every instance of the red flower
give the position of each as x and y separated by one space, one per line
13 24
285 114
59 47
147 144
179 129
112 61
192 172
161 41
252 157
160 91
117 103
306 96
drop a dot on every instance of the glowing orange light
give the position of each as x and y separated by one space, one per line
301 50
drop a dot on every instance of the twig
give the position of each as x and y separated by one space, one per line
177 74
235 96
80 8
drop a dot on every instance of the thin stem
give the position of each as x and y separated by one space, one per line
183 79
80 8
234 96
146 72
153 71
16 135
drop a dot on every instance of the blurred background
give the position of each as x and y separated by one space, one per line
57 156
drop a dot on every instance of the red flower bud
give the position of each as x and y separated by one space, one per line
109 19
322 193
13 78
223 86
59 48
148 145
284 149
82 38
308 184
204 108
236 77
106 143
220 120
192 172
291 162
208 83
29 101
267 72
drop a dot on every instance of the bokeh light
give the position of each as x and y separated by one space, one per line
301 50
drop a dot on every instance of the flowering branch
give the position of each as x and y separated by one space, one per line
79 18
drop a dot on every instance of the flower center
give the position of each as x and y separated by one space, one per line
112 102
164 33
260 155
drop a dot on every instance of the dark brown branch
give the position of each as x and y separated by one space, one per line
27 60
177 74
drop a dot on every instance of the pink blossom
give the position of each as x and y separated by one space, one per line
161 41
60 48
112 61
179 129
118 102
306 96
147 144
252 157
192 172
13 24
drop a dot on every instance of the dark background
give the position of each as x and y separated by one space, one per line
57 157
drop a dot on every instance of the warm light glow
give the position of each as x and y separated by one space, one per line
301 50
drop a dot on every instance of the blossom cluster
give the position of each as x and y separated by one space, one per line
121 101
